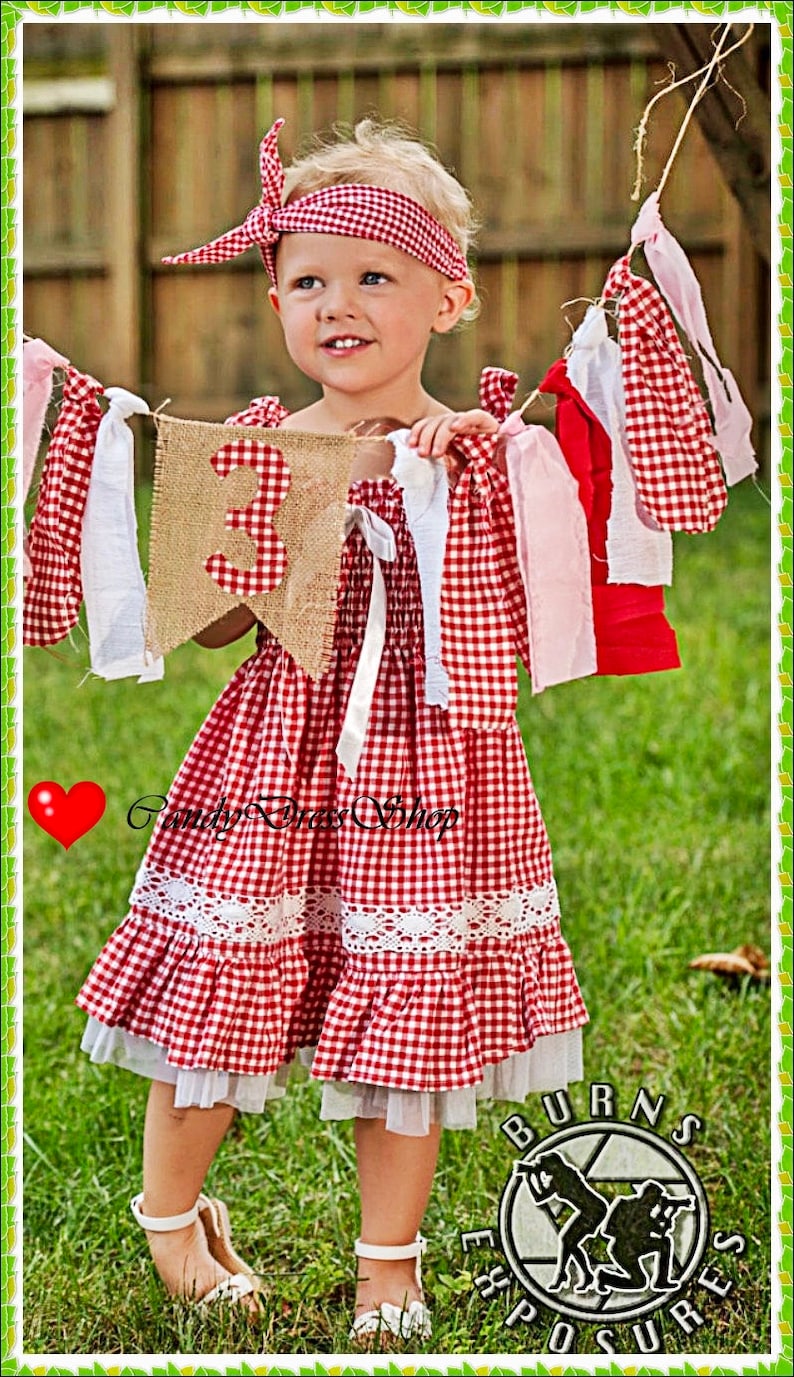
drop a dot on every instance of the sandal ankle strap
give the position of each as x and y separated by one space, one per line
165 1224
380 1252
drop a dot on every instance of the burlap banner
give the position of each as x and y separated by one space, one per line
243 514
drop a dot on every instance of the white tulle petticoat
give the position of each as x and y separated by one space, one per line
551 1064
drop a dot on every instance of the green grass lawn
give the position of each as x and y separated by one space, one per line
657 799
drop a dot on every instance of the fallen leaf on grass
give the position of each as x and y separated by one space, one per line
744 960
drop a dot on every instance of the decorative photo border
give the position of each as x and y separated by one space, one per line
13 16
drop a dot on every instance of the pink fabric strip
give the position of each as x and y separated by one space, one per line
554 555
38 364
676 279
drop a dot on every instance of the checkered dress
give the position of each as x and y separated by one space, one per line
405 924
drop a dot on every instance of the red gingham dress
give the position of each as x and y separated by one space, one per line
341 915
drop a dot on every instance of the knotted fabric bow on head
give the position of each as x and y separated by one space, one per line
354 209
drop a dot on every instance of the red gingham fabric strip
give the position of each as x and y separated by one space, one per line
481 571
262 411
54 592
353 209
676 468
633 635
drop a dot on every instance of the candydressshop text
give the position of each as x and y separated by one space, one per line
280 812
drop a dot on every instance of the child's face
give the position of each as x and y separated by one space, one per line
358 315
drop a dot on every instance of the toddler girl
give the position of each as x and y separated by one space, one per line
388 912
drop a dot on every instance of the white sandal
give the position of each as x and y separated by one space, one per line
214 1219
388 1318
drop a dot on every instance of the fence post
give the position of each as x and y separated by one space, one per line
123 208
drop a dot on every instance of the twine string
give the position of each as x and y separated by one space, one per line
706 71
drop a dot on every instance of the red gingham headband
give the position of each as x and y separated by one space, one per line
364 212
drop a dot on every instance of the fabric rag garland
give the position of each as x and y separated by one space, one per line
641 443
83 536
564 540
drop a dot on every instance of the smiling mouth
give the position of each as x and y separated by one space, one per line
345 344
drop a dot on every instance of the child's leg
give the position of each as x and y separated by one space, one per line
178 1148
395 1175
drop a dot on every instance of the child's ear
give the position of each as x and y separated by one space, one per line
272 297
457 296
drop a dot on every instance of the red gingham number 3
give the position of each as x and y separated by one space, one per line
256 519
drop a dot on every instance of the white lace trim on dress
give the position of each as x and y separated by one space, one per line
552 1063
363 927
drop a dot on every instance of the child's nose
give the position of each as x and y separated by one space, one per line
338 301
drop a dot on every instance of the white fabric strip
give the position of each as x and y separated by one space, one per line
379 538
675 277
635 552
113 586
425 491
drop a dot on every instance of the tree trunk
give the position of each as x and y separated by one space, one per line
741 146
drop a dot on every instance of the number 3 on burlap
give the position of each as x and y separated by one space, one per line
256 519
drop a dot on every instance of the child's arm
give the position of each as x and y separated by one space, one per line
432 435
230 627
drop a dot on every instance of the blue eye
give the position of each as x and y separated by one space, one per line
373 279
306 283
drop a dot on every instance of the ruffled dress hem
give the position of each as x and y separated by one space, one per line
465 1011
551 1064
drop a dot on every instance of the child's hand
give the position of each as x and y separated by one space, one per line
432 436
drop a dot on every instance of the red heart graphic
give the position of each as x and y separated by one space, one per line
66 817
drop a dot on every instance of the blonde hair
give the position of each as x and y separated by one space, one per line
380 153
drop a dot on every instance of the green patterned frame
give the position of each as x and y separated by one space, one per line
12 17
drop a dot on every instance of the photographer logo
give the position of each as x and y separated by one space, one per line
602 1223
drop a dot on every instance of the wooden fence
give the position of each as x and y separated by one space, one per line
141 139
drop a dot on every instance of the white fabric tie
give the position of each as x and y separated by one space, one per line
636 553
379 538
113 586
425 491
